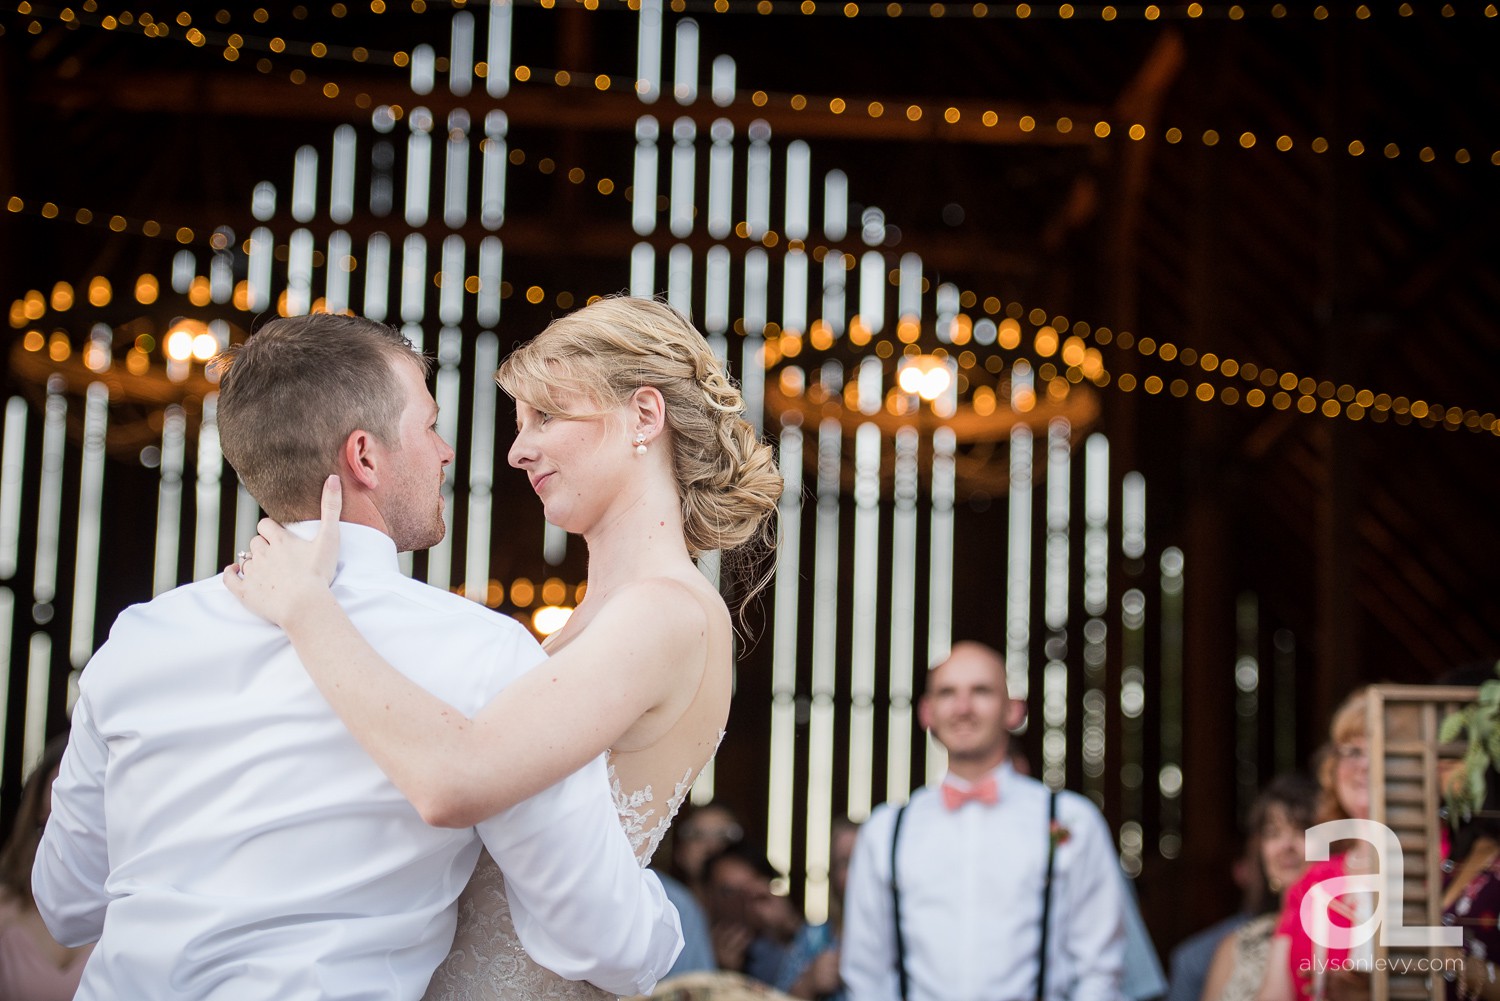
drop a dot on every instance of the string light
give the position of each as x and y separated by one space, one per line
1312 397
914 114
846 9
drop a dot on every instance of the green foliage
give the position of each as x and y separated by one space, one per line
1478 725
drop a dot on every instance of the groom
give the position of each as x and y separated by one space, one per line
214 826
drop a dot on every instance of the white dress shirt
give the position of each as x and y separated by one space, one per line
971 885
222 835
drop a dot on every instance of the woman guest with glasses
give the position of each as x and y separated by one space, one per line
1297 966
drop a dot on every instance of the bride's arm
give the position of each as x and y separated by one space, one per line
547 724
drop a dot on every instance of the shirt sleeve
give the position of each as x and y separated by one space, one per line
583 907
1095 938
72 861
867 960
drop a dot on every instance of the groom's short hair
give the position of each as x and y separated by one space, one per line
290 396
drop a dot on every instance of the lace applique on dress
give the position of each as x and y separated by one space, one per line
488 963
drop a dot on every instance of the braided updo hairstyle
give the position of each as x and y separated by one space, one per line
601 354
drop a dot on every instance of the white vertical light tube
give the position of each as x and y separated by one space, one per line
492 170
423 75
169 499
481 467
210 472
419 167
263 201
305 184
648 52
90 510
336 289
1169 781
414 281
446 391
864 613
685 62
798 190
721 179
341 192
872 291
946 309
716 291
299 268
12 473
643 207
752 361
49 497
461 55
262 251
798 210
1018 560
1095 604
681 210
820 731
835 228
1132 675
497 48
643 187
643 270
903 665
7 628
220 277
940 551
909 292
456 170
38 688
722 81
680 278
487 302
758 180
780 807
377 277
1055 604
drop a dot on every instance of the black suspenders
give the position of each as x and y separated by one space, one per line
902 979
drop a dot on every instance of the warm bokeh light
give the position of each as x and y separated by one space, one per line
550 618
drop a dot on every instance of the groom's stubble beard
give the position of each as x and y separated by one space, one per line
414 515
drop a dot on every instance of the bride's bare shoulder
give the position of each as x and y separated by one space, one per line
689 600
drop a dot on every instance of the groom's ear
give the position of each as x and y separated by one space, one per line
361 459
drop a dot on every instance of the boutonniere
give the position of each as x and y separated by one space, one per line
1060 834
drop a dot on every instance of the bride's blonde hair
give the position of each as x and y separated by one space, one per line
600 355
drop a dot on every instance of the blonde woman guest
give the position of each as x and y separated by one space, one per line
632 435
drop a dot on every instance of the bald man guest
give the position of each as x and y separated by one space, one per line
981 864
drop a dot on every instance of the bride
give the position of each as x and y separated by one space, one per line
633 437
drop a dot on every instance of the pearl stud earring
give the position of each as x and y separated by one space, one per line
640 444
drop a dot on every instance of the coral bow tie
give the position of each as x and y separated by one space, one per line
985 792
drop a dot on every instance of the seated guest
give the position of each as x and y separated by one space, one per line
1278 824
753 928
33 967
812 969
1297 968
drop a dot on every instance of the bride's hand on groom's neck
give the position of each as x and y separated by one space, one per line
284 576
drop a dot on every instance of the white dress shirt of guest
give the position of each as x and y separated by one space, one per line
225 838
971 874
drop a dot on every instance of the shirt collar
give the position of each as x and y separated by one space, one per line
1001 774
362 549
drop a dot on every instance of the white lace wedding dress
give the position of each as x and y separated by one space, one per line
488 963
